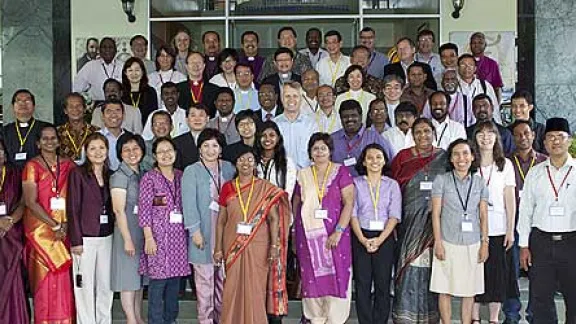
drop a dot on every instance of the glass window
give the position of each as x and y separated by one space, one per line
388 31
292 7
164 32
400 7
187 8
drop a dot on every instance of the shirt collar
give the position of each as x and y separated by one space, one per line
126 169
570 162
360 133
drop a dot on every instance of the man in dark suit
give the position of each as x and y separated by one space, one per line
195 89
268 98
284 62
406 51
187 151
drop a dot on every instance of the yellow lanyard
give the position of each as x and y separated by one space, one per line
3 178
244 207
334 72
349 96
137 102
23 141
374 197
321 191
321 124
77 148
522 175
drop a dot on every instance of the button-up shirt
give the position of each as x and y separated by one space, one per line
92 76
296 134
487 69
538 197
327 124
347 147
246 99
389 204
525 165
435 64
112 140
308 105
398 138
447 132
330 71
314 58
376 64
179 124
363 97
132 119
72 142
475 88
419 100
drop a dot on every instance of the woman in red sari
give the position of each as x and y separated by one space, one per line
12 294
47 250
251 240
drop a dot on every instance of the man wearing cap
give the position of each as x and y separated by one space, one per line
547 226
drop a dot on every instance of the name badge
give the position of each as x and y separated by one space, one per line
57 203
321 214
175 217
520 193
243 229
556 211
20 156
467 226
350 161
490 207
135 210
103 219
376 225
425 185
78 162
214 206
3 210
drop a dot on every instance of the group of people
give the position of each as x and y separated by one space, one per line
268 179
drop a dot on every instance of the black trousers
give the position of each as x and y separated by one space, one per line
373 268
553 266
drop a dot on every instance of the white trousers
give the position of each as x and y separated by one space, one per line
328 310
94 299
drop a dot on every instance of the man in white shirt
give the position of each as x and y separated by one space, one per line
547 226
169 94
139 48
447 130
400 136
377 60
326 118
471 86
296 127
332 67
112 115
310 83
314 49
91 77
426 41
246 96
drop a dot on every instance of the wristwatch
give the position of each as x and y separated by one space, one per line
485 239
340 229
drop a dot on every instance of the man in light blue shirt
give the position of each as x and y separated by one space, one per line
112 116
246 96
377 60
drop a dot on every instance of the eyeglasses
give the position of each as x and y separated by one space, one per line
558 137
246 159
485 135
243 73
247 123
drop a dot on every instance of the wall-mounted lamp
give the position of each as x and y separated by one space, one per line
458 5
128 7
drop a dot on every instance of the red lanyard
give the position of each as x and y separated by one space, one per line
489 176
451 110
557 191
353 146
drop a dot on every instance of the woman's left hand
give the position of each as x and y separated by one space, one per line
483 252
333 240
273 254
509 241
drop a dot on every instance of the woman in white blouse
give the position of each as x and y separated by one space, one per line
165 71
498 174
226 77
355 77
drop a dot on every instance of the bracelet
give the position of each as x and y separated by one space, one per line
485 239
340 229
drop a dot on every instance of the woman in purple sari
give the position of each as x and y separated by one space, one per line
323 202
12 298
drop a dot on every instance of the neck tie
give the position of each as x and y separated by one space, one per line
268 117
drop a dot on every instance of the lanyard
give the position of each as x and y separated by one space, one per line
137 102
489 175
23 140
55 177
216 182
375 197
442 134
557 191
314 109
353 146
520 170
162 80
173 193
244 207
451 110
320 191
3 178
333 72
360 97
106 71
77 148
227 125
195 98
320 123
267 168
464 204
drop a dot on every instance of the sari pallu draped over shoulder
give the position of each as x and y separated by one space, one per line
265 196
414 303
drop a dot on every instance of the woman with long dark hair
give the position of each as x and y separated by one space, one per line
136 91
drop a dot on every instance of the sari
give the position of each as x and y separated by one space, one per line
414 303
48 260
247 298
13 302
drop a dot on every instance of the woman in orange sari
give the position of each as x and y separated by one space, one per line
47 250
251 240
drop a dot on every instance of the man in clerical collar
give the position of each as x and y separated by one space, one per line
416 92
90 54
211 42
245 93
287 39
198 116
406 52
447 130
249 54
75 131
426 41
487 68
400 136
20 136
284 63
139 48
91 77
361 56
112 116
376 60
310 83
483 109
314 49
335 64
522 107
224 120
169 95
195 89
